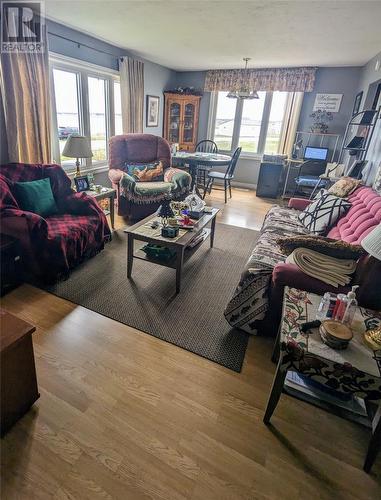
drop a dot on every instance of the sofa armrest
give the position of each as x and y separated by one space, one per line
298 203
181 179
79 204
29 228
115 175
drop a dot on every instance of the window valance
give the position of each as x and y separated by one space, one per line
272 79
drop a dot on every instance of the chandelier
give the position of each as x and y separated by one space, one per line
244 92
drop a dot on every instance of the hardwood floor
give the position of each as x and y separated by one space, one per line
123 415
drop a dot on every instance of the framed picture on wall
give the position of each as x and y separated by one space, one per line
152 111
357 103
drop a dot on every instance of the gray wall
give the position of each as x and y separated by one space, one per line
333 81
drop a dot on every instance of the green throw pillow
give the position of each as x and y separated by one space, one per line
36 196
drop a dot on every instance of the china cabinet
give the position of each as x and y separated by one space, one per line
181 119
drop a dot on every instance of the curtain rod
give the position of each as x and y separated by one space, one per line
83 45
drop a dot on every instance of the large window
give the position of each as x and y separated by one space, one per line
86 101
256 125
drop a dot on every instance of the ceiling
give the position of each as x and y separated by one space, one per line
199 35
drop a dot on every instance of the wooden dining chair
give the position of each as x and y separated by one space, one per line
227 176
205 146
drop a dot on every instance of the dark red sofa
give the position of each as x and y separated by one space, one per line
53 245
257 301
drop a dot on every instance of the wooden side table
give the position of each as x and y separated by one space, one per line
18 373
355 370
107 193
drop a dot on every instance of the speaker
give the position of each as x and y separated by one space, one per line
269 179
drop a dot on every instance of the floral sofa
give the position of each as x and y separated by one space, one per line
255 306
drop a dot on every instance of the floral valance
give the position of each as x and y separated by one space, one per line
282 79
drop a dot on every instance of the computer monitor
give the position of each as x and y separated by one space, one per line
312 153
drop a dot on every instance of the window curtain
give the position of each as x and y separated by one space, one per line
290 126
24 83
132 94
270 80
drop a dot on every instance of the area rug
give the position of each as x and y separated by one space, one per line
194 319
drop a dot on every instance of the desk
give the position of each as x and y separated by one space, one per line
290 163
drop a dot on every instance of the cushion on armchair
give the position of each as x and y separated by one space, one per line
146 172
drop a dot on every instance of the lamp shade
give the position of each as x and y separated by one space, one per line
372 242
77 146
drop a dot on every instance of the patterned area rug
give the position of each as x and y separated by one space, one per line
193 319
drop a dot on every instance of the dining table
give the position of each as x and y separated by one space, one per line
199 159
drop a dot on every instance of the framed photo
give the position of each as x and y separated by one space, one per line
357 104
82 183
152 111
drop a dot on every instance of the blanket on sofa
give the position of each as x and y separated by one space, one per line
249 303
328 269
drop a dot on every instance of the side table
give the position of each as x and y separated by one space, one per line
18 373
355 370
106 193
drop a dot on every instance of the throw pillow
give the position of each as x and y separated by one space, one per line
145 172
36 196
344 187
326 246
323 212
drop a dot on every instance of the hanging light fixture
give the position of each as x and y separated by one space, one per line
244 92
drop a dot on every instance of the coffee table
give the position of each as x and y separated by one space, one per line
143 231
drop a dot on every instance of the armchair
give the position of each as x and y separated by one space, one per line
137 199
55 244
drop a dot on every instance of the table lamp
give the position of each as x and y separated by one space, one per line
372 245
77 146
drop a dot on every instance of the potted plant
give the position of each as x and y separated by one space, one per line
320 121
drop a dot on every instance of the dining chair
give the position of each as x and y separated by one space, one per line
227 176
205 146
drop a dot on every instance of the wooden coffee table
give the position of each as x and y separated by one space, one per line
142 231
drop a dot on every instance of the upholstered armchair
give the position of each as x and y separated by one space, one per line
139 194
54 244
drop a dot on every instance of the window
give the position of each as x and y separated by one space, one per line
98 125
225 115
256 125
67 109
86 100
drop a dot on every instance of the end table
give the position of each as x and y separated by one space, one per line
355 370
106 193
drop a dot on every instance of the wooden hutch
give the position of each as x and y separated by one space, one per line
181 119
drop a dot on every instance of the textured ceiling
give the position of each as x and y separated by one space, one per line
197 35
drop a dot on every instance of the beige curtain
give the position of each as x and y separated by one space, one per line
290 126
272 79
132 94
24 82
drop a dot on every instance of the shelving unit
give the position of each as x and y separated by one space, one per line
358 133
